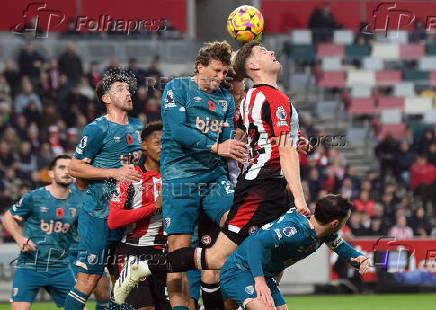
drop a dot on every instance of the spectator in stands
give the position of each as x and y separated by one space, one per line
432 154
423 145
420 224
6 156
140 100
30 61
404 158
331 182
170 32
85 89
26 161
314 182
363 203
389 208
347 189
385 152
94 75
12 76
21 127
320 156
376 227
70 64
26 96
43 87
53 72
32 113
34 138
12 183
152 109
323 23
337 161
350 172
422 179
139 73
5 91
401 231
153 70
367 186
355 224
418 34
11 138
114 64
365 221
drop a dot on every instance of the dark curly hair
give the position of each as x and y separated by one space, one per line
149 128
115 75
221 51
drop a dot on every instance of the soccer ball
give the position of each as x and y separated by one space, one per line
245 23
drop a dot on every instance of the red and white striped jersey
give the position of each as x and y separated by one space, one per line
147 231
266 112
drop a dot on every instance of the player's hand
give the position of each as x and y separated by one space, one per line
232 148
263 291
301 206
127 173
303 146
158 202
363 262
25 244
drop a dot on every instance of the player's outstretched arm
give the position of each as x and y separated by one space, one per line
348 253
12 225
290 164
84 170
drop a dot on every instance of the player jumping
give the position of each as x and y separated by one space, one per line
247 277
108 151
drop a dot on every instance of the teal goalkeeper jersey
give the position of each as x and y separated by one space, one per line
193 121
281 243
50 224
106 144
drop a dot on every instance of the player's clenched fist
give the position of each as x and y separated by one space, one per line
127 173
231 148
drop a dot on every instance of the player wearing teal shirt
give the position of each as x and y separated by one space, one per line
249 272
49 216
108 151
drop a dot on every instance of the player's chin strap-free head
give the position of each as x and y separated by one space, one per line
113 75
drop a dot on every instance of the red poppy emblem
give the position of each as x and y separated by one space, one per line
60 212
129 139
212 105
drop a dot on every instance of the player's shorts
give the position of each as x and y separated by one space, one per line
207 231
256 203
150 292
183 198
239 285
27 282
95 242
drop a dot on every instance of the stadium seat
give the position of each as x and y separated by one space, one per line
418 105
431 49
370 63
301 52
412 51
416 76
301 37
385 51
396 130
359 91
357 51
360 77
427 63
391 116
345 37
331 79
362 106
330 50
430 117
390 103
398 36
327 109
404 90
331 64
388 77
357 136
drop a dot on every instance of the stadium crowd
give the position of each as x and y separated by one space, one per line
46 103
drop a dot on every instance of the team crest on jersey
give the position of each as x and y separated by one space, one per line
43 209
116 194
60 212
197 99
206 239
224 104
92 258
252 230
72 212
117 139
289 231
169 100
129 138
167 222
249 289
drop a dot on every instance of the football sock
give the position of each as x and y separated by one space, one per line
75 300
212 298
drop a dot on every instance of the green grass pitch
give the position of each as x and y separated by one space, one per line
360 302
